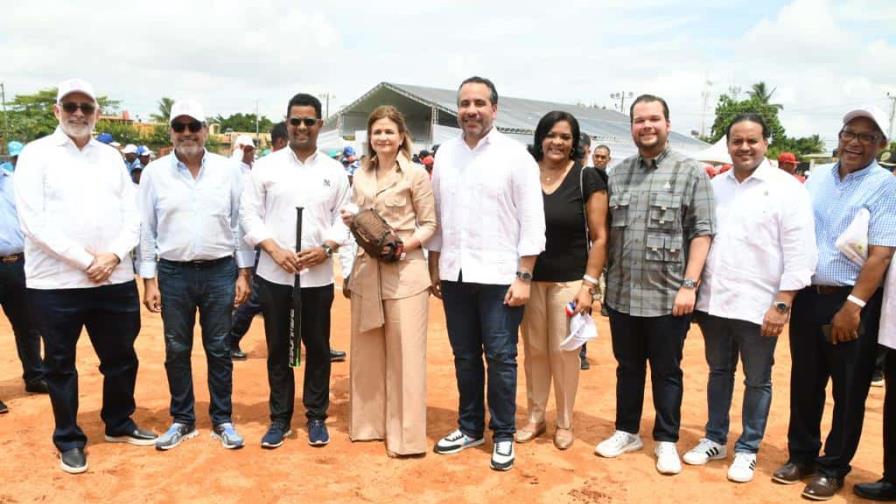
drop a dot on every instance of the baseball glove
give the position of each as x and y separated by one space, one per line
376 236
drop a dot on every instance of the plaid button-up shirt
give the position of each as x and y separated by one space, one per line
656 208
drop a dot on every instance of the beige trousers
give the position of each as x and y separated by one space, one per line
544 326
388 376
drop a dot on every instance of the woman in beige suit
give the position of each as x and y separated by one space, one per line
390 300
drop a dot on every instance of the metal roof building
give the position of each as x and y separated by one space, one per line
431 114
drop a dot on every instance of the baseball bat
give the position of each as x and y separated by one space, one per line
295 316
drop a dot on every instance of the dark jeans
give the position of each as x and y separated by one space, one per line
111 314
478 320
725 339
12 298
276 300
890 418
243 315
637 341
209 288
849 366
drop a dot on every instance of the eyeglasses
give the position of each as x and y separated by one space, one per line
307 121
179 127
86 107
864 138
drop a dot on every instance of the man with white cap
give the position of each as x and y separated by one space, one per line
78 213
244 152
189 204
130 157
833 321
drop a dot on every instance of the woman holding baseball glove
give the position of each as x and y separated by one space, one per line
575 210
389 287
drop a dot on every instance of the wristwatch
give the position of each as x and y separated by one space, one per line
524 276
327 250
781 306
687 283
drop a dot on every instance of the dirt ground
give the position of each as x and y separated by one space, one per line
200 470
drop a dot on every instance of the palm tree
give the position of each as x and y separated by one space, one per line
164 114
761 93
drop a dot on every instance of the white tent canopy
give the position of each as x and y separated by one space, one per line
715 153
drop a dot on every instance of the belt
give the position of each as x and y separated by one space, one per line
829 290
199 263
12 258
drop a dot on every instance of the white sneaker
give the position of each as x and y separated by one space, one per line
741 470
455 442
667 461
705 451
617 444
502 455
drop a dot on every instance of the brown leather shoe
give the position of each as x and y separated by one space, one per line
530 432
822 487
563 438
792 472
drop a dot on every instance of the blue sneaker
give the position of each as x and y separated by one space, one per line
228 436
317 433
273 438
175 434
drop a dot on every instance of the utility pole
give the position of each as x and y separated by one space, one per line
892 98
707 92
256 123
326 96
6 117
621 96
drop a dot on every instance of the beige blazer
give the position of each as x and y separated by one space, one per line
406 202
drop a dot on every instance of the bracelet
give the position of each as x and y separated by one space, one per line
856 301
590 279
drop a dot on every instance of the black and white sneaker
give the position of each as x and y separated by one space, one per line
73 461
503 455
705 451
138 436
743 467
455 442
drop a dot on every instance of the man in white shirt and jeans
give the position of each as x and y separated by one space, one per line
190 204
491 228
78 213
300 176
763 253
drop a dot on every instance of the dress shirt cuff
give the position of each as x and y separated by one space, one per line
530 248
795 280
338 235
123 252
434 243
81 257
253 239
148 269
245 259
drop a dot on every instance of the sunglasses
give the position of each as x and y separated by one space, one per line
864 138
307 121
86 107
193 126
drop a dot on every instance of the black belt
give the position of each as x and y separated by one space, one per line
199 263
830 290
12 258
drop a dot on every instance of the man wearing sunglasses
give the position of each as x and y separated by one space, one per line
300 176
833 326
78 213
189 204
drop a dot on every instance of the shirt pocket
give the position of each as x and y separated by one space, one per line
663 248
663 211
619 208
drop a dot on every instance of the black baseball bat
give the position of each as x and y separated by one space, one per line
295 317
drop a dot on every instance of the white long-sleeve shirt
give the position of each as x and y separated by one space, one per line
489 207
765 243
74 203
278 183
187 219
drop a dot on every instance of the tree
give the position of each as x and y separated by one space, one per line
164 115
242 122
758 102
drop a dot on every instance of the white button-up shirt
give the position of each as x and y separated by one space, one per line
887 335
489 207
74 203
187 219
765 243
278 183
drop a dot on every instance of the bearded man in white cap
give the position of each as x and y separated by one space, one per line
79 217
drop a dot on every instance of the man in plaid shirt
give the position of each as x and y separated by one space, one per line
661 227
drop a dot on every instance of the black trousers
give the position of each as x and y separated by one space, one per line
276 300
848 365
12 298
890 418
659 341
111 314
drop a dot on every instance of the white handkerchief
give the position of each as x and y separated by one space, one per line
581 329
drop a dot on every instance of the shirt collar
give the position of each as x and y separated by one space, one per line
309 161
487 139
646 163
60 138
858 174
402 161
180 164
762 173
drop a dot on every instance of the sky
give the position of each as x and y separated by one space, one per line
822 57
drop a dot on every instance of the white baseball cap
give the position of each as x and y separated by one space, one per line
70 86
129 149
189 108
876 115
244 140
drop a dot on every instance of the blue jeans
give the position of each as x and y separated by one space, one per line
725 339
478 320
208 287
111 314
